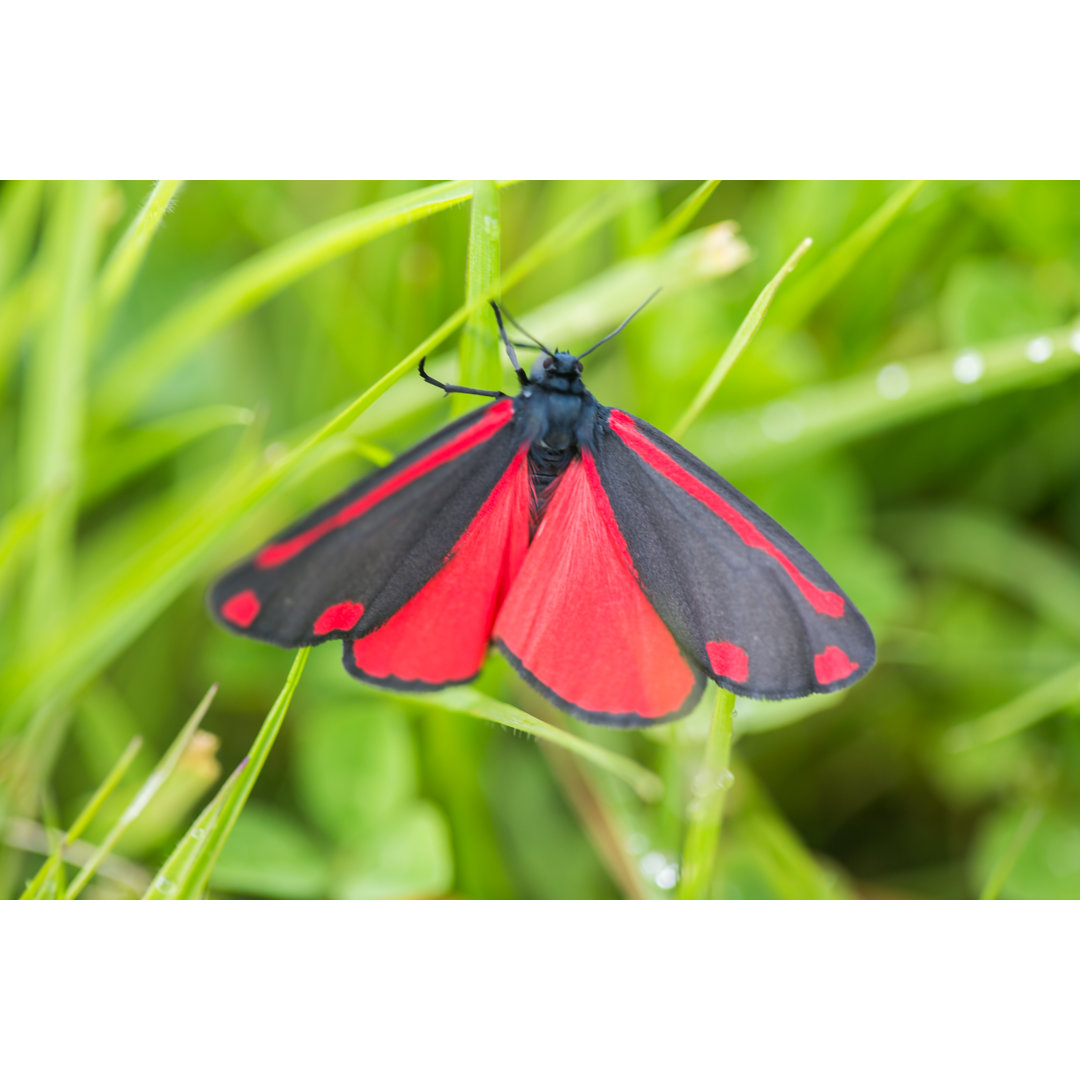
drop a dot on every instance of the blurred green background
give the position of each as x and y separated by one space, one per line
908 410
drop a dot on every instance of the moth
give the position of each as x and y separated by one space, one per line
615 571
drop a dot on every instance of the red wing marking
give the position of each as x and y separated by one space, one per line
241 609
441 635
728 660
343 616
496 417
576 618
833 664
824 602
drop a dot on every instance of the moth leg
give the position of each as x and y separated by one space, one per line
450 388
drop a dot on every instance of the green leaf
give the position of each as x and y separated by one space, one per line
1044 854
408 857
355 766
270 854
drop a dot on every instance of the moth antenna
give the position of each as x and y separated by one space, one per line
522 377
593 348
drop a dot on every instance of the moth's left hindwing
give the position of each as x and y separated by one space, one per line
350 567
741 596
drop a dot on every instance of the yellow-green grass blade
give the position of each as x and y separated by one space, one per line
148 360
17 528
822 417
678 221
53 402
190 873
743 336
479 365
464 699
20 211
161 772
805 297
1045 699
124 261
178 866
78 827
117 460
999 873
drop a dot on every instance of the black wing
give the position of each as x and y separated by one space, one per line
740 595
344 570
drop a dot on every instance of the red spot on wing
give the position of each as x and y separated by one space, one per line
728 660
241 609
496 417
441 635
822 601
576 618
833 664
343 616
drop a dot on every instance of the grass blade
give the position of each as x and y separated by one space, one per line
149 789
80 824
20 211
823 417
1022 712
123 263
705 811
479 348
151 358
995 881
679 219
464 699
177 867
52 410
821 281
192 882
116 461
743 336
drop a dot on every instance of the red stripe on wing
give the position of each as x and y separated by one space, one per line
497 416
441 635
576 619
822 601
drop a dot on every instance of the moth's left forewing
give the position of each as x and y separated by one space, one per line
740 594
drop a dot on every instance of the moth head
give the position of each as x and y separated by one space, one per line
556 365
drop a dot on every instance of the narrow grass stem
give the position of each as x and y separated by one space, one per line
195 881
1001 870
743 336
1022 712
78 827
679 219
142 798
127 256
705 812
805 297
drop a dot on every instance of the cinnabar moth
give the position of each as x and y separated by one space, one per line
615 570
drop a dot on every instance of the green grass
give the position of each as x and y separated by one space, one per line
186 367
